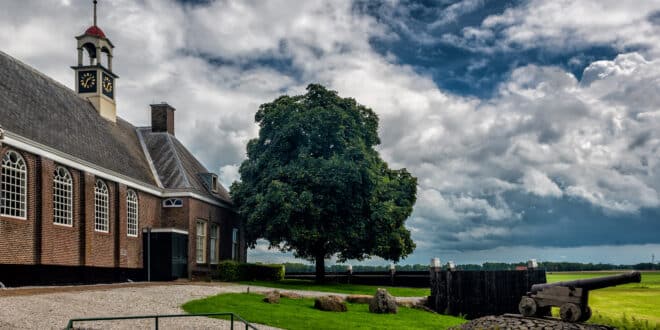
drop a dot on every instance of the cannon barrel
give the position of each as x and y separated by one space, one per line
594 283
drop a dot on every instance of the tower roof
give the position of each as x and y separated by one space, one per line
95 31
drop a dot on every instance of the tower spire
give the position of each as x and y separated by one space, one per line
95 2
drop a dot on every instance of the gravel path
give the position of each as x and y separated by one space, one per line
51 308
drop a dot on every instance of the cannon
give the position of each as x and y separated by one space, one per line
572 297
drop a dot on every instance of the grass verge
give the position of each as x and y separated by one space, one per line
300 314
341 288
629 306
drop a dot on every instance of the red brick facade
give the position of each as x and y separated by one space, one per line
37 240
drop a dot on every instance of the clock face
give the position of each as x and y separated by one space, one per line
87 81
108 85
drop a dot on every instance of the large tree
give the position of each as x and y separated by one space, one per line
314 184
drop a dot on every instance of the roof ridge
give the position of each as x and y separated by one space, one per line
138 131
178 161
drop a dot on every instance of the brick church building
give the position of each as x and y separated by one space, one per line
85 196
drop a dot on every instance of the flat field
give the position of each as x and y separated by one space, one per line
640 301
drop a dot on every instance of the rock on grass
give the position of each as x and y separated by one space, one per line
330 304
272 297
383 303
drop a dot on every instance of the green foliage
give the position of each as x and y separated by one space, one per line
306 285
230 270
314 184
262 272
299 314
227 271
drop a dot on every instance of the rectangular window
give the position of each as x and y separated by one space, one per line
201 242
234 244
214 183
213 243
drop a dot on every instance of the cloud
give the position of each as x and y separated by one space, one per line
538 183
558 25
547 158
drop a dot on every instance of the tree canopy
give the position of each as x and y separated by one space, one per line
313 183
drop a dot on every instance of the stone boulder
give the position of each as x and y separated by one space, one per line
272 297
359 299
383 303
290 295
330 304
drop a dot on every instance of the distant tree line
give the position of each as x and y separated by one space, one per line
547 265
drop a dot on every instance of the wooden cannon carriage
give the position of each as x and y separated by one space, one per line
572 297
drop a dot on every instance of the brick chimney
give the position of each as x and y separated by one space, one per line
162 118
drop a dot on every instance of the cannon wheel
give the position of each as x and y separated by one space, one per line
527 306
570 312
586 314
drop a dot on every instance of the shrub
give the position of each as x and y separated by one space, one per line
234 271
227 271
262 272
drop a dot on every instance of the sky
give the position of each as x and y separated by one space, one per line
532 126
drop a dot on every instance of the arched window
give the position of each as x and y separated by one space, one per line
62 197
13 190
101 207
132 207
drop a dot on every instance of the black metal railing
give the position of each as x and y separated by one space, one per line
232 317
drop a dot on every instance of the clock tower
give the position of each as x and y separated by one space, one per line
94 80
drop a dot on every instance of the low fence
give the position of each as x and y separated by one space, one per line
411 279
479 293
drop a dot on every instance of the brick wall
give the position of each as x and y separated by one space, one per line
60 244
99 246
225 219
38 240
19 236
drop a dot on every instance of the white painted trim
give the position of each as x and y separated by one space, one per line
73 162
36 148
166 230
195 196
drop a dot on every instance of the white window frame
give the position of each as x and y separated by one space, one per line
200 242
132 214
214 234
173 202
13 186
62 197
234 244
101 207
214 183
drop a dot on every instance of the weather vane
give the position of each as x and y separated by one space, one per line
95 2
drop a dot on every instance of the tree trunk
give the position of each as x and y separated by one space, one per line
320 268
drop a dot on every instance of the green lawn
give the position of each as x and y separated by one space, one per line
638 300
300 314
341 288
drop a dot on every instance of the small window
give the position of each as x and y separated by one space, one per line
201 242
213 243
132 209
214 183
101 207
13 190
62 197
234 243
173 202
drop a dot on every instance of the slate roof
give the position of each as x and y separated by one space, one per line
38 108
177 168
